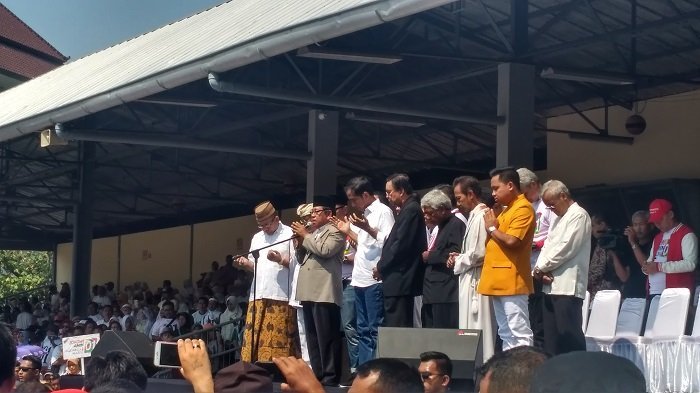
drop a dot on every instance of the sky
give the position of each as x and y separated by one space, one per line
80 27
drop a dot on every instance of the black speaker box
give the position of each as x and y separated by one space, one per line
135 343
463 346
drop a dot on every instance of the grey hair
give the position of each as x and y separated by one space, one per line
436 199
527 177
555 187
643 214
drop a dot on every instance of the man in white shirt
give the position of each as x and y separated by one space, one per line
201 313
563 269
166 318
271 324
371 225
531 188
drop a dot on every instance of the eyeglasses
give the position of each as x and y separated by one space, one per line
320 210
426 375
26 369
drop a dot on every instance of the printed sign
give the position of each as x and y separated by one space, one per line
79 346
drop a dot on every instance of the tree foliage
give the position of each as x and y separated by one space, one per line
23 271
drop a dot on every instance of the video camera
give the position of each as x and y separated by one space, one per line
609 240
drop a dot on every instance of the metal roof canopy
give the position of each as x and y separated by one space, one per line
430 114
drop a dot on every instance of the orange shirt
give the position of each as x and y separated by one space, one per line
506 271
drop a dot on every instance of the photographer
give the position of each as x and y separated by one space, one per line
640 236
607 269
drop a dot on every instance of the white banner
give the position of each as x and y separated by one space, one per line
79 346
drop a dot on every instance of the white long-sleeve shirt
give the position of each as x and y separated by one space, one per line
544 218
273 280
474 244
566 253
369 249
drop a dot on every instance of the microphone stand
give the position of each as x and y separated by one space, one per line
256 256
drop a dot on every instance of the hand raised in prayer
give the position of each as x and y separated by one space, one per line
299 377
299 229
343 226
490 219
359 221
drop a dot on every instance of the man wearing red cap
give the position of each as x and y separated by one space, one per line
674 253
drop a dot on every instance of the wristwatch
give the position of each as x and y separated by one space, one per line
491 229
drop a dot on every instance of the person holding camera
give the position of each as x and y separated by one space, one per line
607 270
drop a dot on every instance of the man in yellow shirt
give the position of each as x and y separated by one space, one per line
506 275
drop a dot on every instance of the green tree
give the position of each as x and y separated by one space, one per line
23 271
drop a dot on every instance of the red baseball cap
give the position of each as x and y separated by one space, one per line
658 208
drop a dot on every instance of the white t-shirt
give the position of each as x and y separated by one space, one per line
273 281
544 218
24 320
657 281
102 300
199 317
369 250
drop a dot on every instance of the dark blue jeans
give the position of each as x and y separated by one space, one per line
349 323
369 305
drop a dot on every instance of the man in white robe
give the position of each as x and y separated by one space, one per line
474 308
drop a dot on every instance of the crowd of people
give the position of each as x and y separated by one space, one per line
515 263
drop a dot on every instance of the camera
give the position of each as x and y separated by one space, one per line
610 239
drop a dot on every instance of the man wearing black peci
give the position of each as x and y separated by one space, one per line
400 266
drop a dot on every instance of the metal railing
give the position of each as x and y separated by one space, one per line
223 342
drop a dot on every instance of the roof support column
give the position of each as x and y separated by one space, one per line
82 230
516 104
321 172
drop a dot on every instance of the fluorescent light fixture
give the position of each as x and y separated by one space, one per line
551 73
314 52
176 102
399 122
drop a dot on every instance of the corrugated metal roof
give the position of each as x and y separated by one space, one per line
219 39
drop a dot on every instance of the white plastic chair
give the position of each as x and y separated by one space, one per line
584 310
670 319
651 315
603 319
630 318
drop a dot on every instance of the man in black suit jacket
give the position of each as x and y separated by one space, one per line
441 285
401 265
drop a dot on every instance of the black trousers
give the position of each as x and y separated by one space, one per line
398 311
323 340
535 306
562 321
441 315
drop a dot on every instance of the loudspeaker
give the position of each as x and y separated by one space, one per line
135 343
463 346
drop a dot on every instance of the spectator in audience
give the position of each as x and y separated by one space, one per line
375 376
435 370
32 387
166 319
213 312
506 275
606 270
8 355
512 371
269 305
101 297
320 289
73 367
115 365
209 278
29 369
90 326
400 266
233 313
64 293
640 237
184 323
51 341
24 320
114 325
109 291
201 313
440 285
227 274
562 267
368 227
585 372
674 256
127 313
474 308
106 315
92 311
531 188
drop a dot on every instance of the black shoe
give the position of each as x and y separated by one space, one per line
347 383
